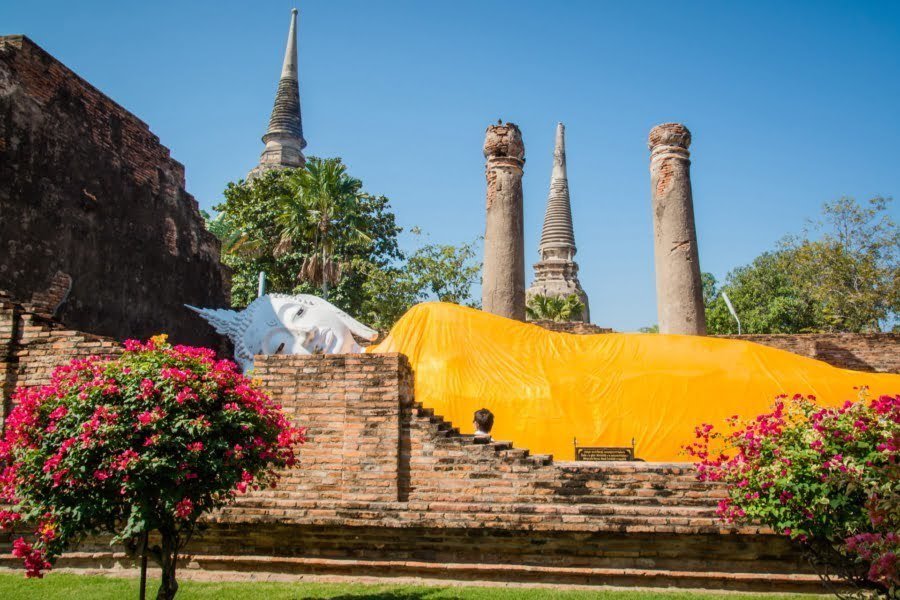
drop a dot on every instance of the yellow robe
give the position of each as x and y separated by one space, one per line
547 388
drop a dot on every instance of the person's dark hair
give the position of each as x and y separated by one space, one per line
484 419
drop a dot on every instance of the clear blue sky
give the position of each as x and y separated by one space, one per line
790 104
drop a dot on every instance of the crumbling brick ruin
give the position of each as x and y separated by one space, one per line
97 228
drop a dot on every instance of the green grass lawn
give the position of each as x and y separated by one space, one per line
61 586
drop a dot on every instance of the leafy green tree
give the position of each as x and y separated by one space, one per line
842 274
441 272
765 298
445 272
554 308
322 215
708 281
313 230
848 263
310 230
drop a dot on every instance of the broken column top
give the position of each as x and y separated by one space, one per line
669 134
504 140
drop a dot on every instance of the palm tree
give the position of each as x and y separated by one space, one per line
320 216
234 240
554 308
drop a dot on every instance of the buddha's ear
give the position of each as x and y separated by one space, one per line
357 328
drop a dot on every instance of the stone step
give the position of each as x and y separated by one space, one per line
541 459
515 454
605 512
680 575
436 495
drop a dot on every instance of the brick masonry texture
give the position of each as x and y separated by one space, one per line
31 346
874 352
858 351
576 327
96 225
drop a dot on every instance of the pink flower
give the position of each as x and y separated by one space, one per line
34 560
177 375
125 460
184 508
148 389
195 447
133 345
246 478
185 395
151 416
8 518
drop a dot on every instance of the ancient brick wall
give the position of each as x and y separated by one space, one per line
31 346
97 228
878 352
858 351
576 327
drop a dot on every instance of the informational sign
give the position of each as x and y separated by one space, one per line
603 453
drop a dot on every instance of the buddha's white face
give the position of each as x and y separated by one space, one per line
282 324
280 327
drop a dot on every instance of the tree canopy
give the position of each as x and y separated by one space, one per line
841 274
315 230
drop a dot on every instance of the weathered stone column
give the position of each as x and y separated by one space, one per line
503 278
679 289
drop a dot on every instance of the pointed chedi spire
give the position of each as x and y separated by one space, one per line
557 237
284 137
556 273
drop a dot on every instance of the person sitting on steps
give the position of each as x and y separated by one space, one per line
484 422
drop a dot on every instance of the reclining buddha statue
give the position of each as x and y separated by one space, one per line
547 388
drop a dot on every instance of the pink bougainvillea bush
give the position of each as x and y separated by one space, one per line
829 478
144 442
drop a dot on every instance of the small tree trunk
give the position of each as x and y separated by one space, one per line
169 553
143 592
